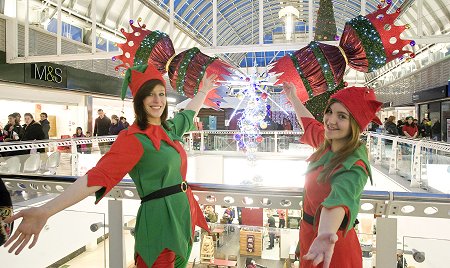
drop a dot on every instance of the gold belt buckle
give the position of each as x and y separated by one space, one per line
184 186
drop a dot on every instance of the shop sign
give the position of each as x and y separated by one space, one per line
47 73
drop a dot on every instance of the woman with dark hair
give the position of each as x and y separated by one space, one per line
81 148
116 125
410 129
151 153
336 176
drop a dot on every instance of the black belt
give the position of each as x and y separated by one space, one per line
310 219
177 188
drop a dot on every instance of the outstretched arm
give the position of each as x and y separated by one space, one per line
197 101
322 248
299 108
34 219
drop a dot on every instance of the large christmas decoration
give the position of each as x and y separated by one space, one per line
367 43
185 69
317 70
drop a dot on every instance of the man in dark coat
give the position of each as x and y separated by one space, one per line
45 124
101 128
102 123
32 131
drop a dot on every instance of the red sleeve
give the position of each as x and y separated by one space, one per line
115 164
313 132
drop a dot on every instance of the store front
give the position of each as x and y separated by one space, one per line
434 104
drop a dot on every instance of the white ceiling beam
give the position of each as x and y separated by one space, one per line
210 50
214 12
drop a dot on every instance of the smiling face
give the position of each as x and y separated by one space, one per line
28 119
337 124
154 104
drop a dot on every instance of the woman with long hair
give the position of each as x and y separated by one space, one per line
335 178
81 148
151 153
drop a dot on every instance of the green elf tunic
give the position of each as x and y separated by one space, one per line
154 159
343 189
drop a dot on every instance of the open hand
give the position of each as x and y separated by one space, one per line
33 220
322 249
208 83
290 90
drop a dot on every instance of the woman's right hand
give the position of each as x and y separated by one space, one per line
290 90
33 220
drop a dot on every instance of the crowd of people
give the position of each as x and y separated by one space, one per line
15 131
410 128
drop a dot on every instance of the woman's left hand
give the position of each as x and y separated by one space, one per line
208 83
322 249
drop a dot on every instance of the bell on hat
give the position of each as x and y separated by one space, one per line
361 103
136 76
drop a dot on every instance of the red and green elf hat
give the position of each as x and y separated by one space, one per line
136 76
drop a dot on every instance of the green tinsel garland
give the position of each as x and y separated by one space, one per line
325 67
202 72
317 104
146 47
371 41
183 68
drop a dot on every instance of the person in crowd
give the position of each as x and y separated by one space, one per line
18 118
390 126
281 218
210 214
271 225
374 126
45 124
116 125
151 153
102 123
89 145
425 128
400 125
13 131
228 215
81 148
436 130
287 125
124 122
336 175
101 128
410 129
33 130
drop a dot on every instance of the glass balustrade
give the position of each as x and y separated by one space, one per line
424 252
67 240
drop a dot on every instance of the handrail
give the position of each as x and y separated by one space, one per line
235 189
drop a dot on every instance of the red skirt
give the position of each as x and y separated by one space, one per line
347 250
165 260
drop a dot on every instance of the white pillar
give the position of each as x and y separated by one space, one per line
116 239
386 249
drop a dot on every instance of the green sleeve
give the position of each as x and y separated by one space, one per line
182 122
347 186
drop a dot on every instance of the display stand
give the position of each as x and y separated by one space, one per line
250 243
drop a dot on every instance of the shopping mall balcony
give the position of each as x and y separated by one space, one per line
404 215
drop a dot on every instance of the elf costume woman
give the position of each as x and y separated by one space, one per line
335 178
151 153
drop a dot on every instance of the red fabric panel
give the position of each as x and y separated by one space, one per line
252 216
